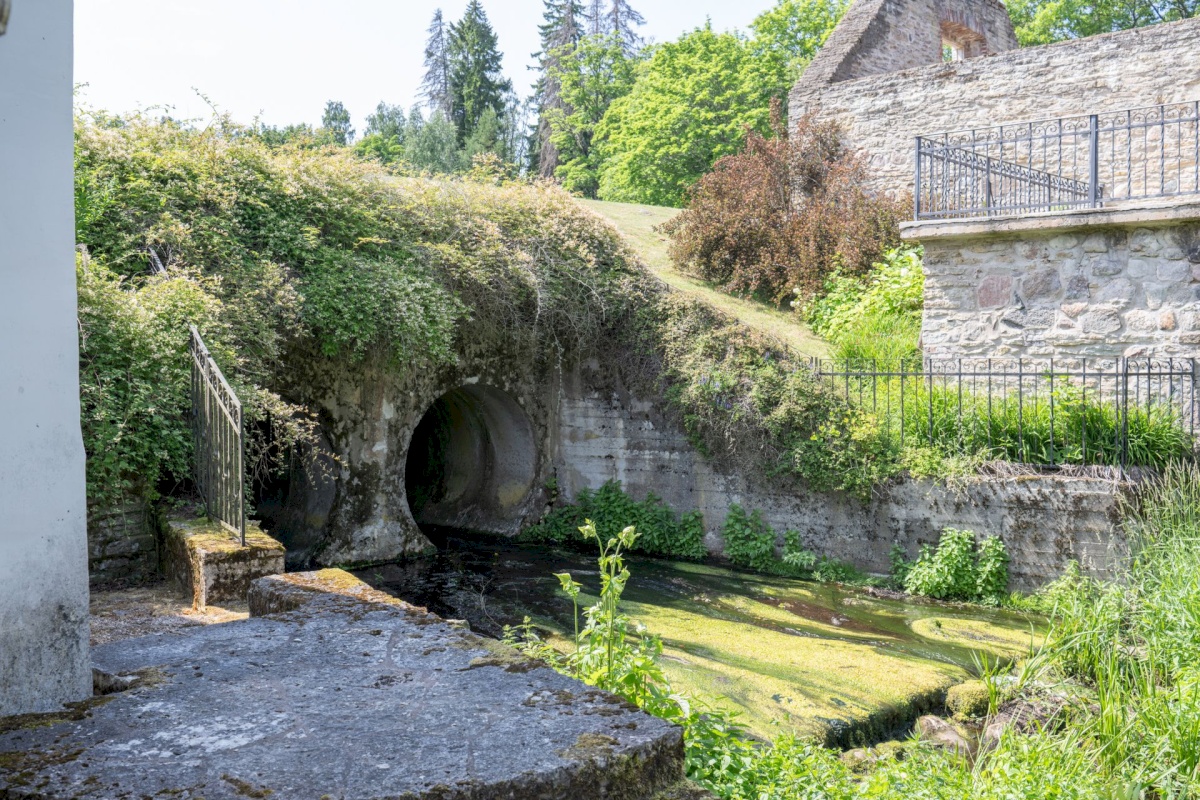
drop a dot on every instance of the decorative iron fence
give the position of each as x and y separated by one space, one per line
1059 164
219 441
1042 412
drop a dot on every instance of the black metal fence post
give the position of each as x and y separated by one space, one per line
219 441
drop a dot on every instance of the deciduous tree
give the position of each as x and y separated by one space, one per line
336 123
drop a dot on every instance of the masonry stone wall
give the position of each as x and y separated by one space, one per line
882 114
880 36
1053 288
123 544
606 433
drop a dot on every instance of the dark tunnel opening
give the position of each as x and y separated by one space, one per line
472 462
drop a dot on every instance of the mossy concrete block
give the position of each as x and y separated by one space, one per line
345 696
968 700
210 565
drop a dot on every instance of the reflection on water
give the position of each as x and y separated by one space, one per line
816 659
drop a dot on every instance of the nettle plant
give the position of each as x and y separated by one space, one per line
960 569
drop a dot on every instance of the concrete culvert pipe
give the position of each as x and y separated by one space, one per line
471 462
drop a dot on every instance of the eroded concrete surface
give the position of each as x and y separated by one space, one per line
350 695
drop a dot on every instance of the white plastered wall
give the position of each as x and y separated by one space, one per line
43 528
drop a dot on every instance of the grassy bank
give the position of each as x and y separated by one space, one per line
639 225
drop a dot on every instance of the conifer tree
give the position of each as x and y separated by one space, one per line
476 83
623 21
561 31
435 87
597 19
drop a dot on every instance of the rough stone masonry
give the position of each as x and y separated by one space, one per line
1095 283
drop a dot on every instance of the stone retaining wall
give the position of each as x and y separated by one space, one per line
1045 521
882 114
1124 283
122 543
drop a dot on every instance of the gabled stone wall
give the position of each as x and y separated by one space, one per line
883 113
881 36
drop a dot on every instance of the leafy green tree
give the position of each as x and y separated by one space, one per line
475 80
385 135
787 37
275 136
435 87
433 146
589 78
691 103
336 122
387 121
1045 21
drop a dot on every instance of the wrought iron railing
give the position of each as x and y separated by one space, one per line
1059 164
1043 412
219 441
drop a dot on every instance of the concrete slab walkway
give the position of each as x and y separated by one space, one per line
335 690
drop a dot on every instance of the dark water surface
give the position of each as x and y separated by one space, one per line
812 658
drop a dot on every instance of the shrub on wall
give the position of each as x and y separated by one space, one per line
292 254
960 569
786 212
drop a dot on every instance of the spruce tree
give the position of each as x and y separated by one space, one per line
561 31
476 83
597 19
623 21
435 87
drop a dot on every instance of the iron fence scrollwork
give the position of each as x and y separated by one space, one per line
1089 161
218 435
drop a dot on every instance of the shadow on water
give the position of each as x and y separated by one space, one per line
815 659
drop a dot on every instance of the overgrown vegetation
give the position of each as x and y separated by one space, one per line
661 531
784 215
959 569
284 256
873 318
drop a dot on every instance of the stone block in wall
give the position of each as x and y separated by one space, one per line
209 564
123 542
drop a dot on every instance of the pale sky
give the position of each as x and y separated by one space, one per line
282 59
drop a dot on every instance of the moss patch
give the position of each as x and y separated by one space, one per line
979 635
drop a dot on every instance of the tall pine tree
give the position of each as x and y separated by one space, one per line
475 80
597 19
561 30
435 88
623 21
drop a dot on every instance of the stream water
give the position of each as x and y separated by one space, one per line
845 665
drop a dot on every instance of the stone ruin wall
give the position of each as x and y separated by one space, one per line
882 114
1114 290
881 36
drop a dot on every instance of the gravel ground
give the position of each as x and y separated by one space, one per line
159 608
